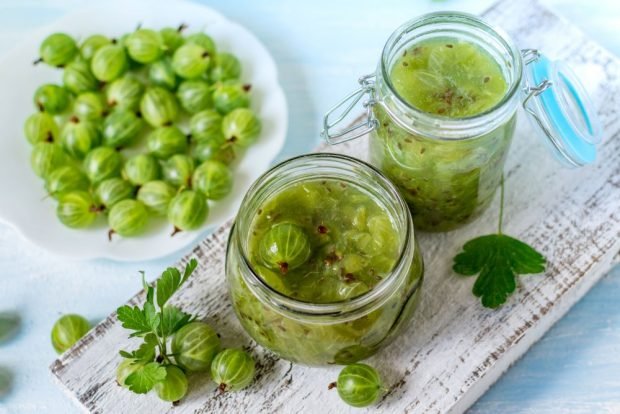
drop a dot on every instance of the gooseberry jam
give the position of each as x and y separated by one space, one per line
441 113
322 262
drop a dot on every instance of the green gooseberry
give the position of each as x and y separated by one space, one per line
230 95
109 62
79 137
190 61
91 44
40 127
226 67
166 141
51 98
285 246
127 218
359 385
213 179
113 190
162 74
241 127
121 127
125 93
125 369
89 106
232 369
102 163
174 386
141 169
195 345
159 106
6 381
144 45
206 125
212 150
78 78
68 330
58 49
203 40
156 196
46 157
10 324
188 210
172 38
77 209
178 170
194 95
65 179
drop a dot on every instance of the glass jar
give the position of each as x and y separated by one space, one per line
339 332
448 168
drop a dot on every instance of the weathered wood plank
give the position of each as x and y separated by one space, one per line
454 349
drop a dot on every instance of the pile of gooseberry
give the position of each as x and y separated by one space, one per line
147 124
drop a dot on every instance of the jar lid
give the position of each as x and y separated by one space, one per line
560 109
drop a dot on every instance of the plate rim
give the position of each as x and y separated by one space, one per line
196 235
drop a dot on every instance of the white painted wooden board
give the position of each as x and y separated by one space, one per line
454 348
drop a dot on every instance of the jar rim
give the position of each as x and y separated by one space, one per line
463 19
347 308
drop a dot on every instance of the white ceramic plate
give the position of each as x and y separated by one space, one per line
22 203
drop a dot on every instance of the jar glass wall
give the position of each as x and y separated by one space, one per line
324 332
447 168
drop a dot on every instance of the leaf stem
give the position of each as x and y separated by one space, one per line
501 206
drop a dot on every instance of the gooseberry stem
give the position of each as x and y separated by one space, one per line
332 385
501 205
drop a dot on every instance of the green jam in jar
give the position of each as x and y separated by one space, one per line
446 182
323 243
343 241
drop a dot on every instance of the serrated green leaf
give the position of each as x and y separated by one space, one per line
9 325
168 284
145 353
148 289
151 316
497 259
189 269
144 378
133 318
172 320
125 354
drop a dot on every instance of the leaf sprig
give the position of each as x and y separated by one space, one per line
497 259
155 322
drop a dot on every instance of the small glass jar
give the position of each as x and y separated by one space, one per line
448 169
324 333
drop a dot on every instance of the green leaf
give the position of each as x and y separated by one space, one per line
168 284
147 288
9 325
151 316
170 281
172 320
497 259
133 318
144 378
189 269
145 353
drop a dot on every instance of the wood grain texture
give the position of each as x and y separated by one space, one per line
454 349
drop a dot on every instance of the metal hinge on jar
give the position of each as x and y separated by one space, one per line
344 107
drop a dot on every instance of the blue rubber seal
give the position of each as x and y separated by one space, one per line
570 117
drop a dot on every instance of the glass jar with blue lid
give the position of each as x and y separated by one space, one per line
441 112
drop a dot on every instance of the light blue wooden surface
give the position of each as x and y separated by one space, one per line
321 48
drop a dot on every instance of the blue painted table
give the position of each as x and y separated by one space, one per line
574 368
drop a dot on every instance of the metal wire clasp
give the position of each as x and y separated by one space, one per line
531 91
344 107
